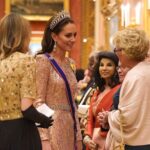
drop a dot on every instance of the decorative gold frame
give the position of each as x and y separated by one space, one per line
35 17
108 21
87 32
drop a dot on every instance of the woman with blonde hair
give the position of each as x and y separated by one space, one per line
18 88
129 125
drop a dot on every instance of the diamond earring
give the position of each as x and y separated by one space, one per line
54 48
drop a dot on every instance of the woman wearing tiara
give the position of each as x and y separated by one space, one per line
56 84
18 88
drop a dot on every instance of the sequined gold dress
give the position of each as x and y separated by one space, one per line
17 81
51 90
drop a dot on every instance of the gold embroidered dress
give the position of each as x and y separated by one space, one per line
52 91
17 81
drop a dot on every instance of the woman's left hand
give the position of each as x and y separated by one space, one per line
79 145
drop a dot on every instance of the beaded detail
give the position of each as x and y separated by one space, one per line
17 81
58 18
63 107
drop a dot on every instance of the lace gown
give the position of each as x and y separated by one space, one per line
52 91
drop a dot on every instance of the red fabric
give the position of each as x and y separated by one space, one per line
105 104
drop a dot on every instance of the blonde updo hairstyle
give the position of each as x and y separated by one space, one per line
133 42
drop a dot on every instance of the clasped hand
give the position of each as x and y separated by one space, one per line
90 143
103 118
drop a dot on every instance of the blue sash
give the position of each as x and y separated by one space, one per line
68 91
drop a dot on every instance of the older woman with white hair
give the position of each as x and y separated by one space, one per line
129 125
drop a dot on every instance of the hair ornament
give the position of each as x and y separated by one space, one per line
58 18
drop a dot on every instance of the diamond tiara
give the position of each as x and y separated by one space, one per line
58 18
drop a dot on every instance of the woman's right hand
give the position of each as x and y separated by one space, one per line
90 143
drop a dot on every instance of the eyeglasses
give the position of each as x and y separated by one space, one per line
117 50
118 67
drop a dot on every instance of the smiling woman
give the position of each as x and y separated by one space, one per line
106 69
56 83
107 81
134 94
65 39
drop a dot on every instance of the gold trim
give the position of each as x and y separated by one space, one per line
35 17
145 16
87 32
119 15
107 34
36 40
7 6
66 5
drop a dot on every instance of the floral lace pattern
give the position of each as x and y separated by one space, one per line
52 90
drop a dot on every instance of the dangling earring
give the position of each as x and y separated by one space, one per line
54 48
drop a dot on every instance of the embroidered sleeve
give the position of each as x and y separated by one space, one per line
42 77
28 83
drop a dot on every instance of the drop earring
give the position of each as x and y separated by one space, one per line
54 48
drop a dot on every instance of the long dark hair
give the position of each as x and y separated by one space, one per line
47 41
100 82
